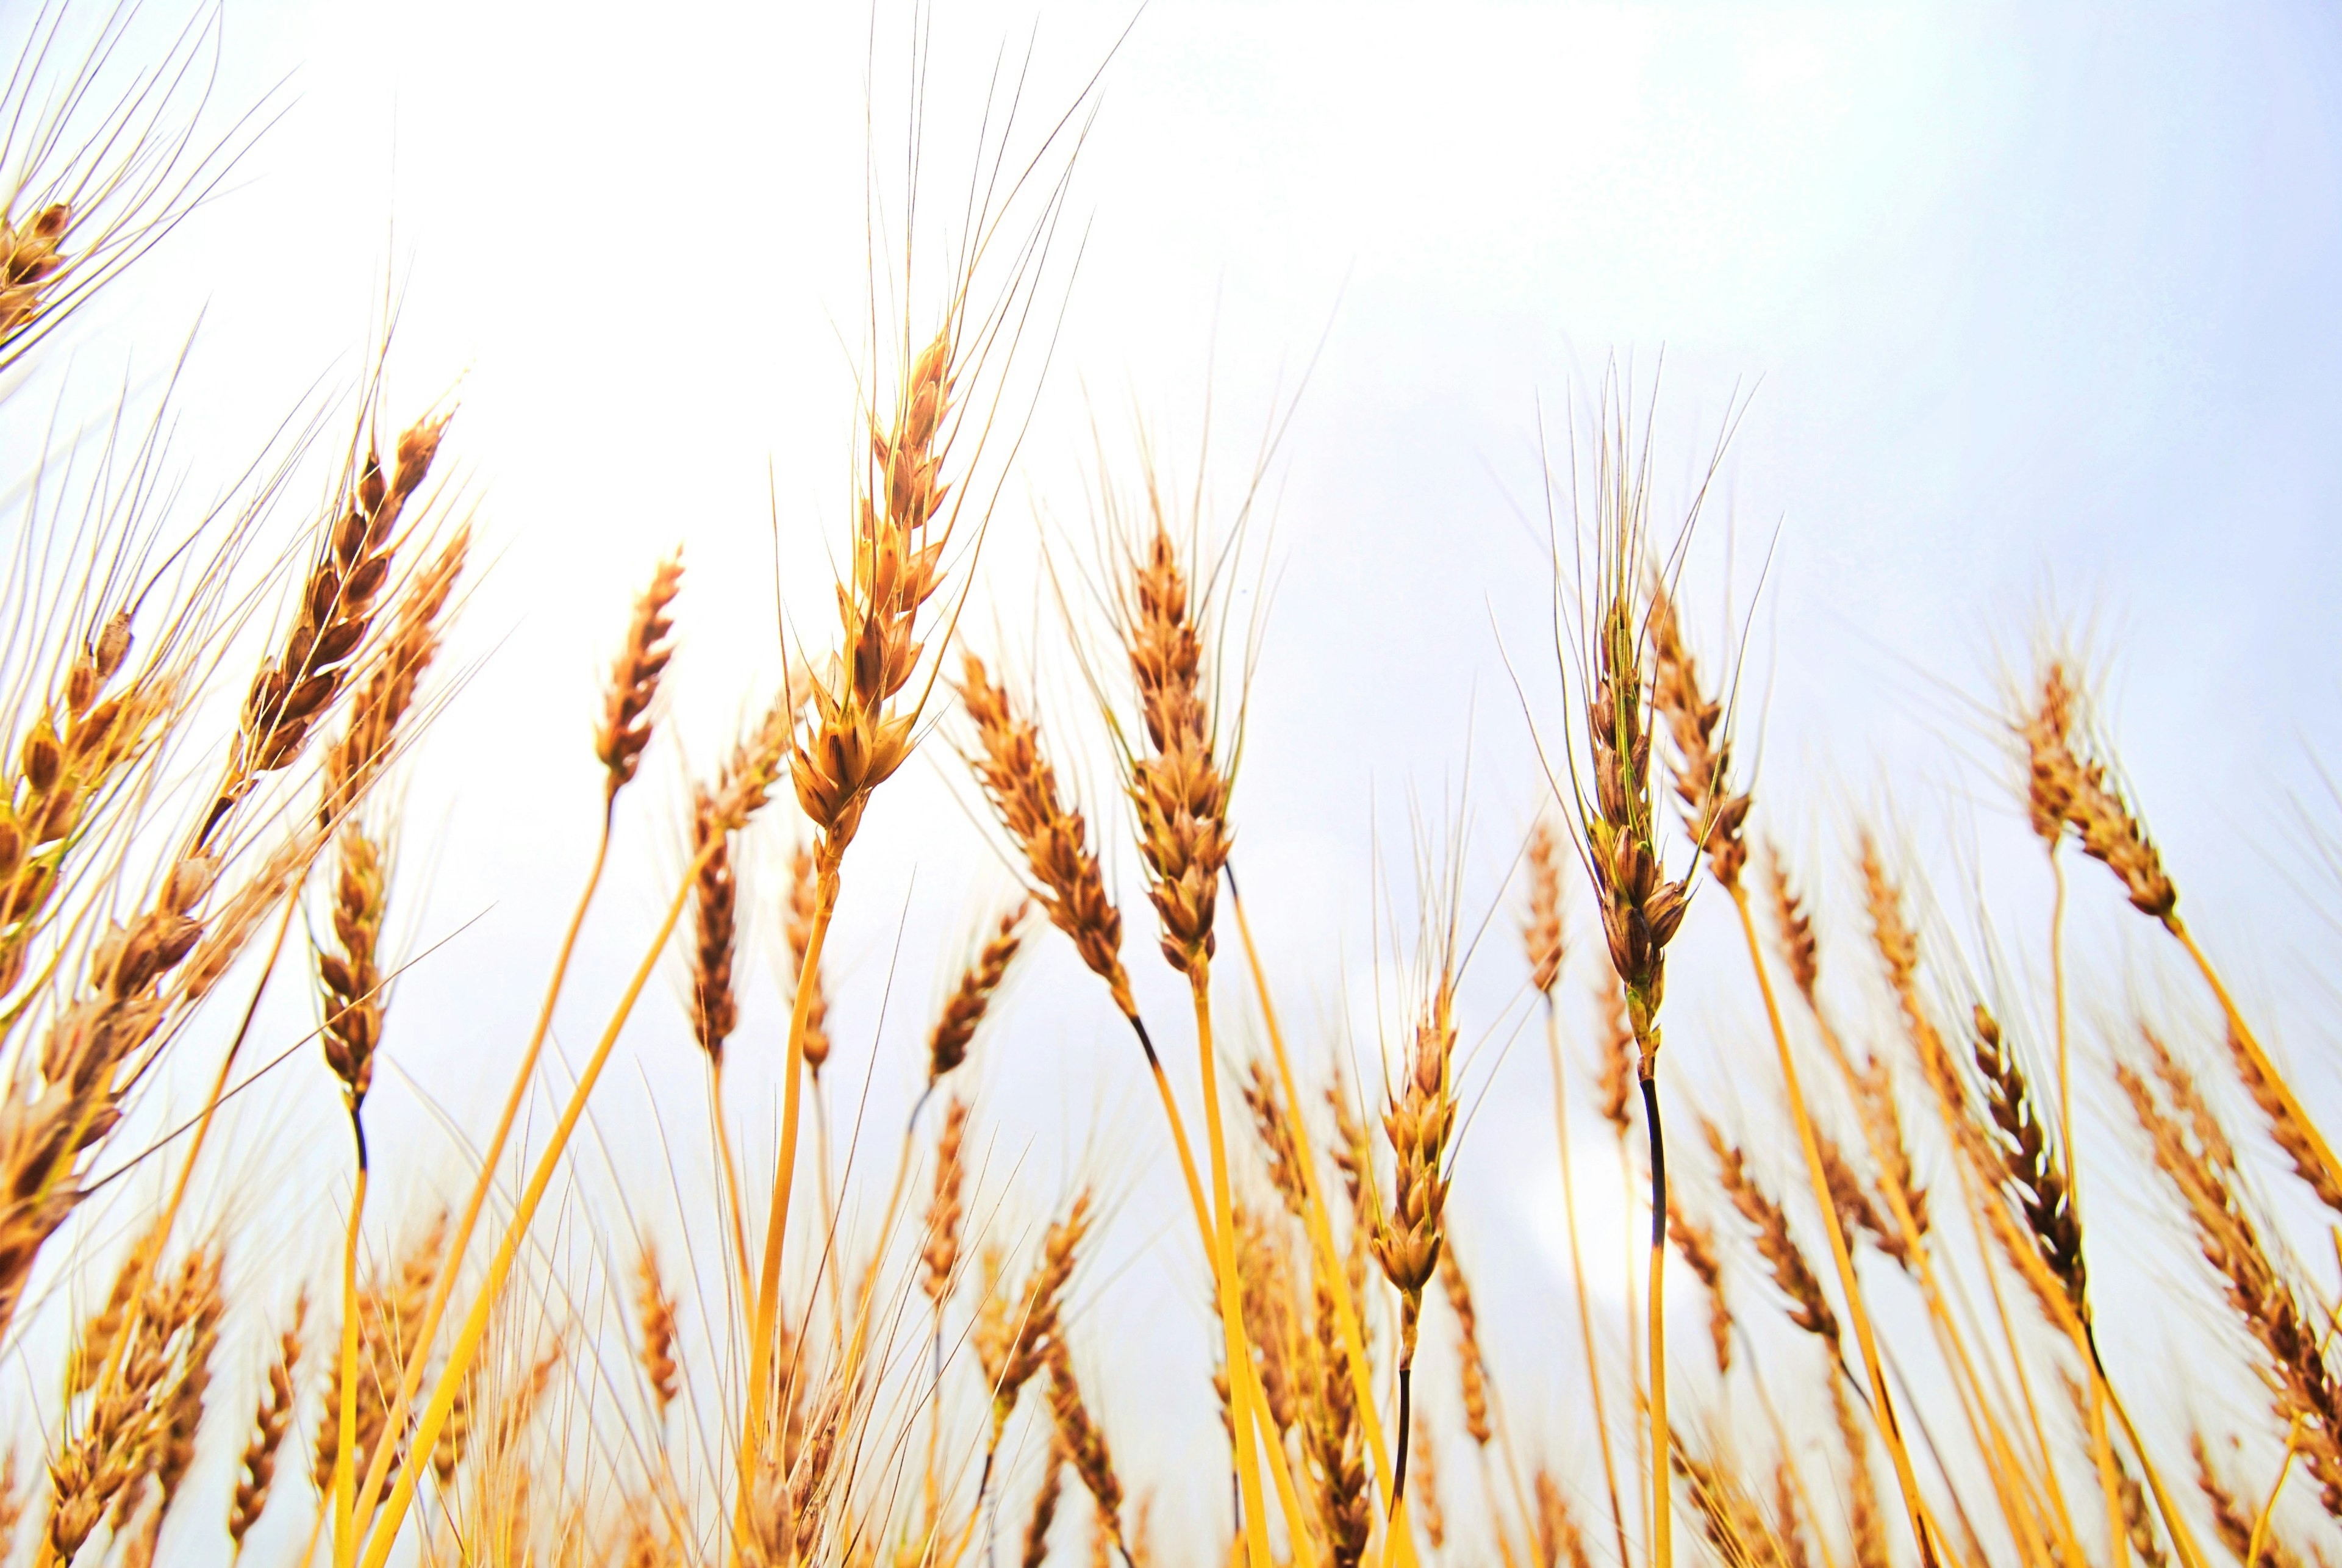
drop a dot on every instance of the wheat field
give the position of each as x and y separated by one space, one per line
851 1077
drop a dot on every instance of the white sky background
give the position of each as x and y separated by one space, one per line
2037 308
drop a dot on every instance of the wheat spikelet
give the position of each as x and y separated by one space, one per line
1332 1447
257 1472
939 1258
351 978
655 1312
1018 780
1853 1204
1557 1541
1865 1527
2232 1517
1083 1442
1179 790
1018 1344
1541 936
30 262
1044 1510
625 727
336 612
2285 1127
797 924
82 742
1697 1245
1265 1274
1809 1309
955 1026
1798 945
2110 831
1615 1078
91 1049
2303 1388
1278 1145
2027 1168
1474 1370
716 931
1420 1120
856 737
382 704
1703 771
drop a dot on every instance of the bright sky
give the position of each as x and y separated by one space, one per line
2033 306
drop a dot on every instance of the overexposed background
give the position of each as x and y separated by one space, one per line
2032 310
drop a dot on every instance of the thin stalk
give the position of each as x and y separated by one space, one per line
1906 1479
1662 1510
467 1348
776 1222
2268 1505
1316 1219
1578 1270
346 1440
832 1264
731 1175
1231 1297
1244 1379
410 1377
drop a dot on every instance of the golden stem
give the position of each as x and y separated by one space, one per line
467 1348
776 1222
410 1377
1578 1269
1882 1406
1231 1296
345 1441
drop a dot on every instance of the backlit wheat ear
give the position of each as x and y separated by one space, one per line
1419 1122
1177 787
1541 936
82 741
1333 1445
2288 1127
335 613
655 1313
351 977
1278 1145
1703 771
1044 1510
1033 1323
797 924
715 932
1473 1362
381 704
1809 1308
1798 945
2303 1388
1022 786
1084 1442
1695 1245
2030 1171
257 1472
955 1026
90 1051
626 727
30 262
939 1258
1558 1541
858 735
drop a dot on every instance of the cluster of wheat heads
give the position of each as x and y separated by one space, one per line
1901 1365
